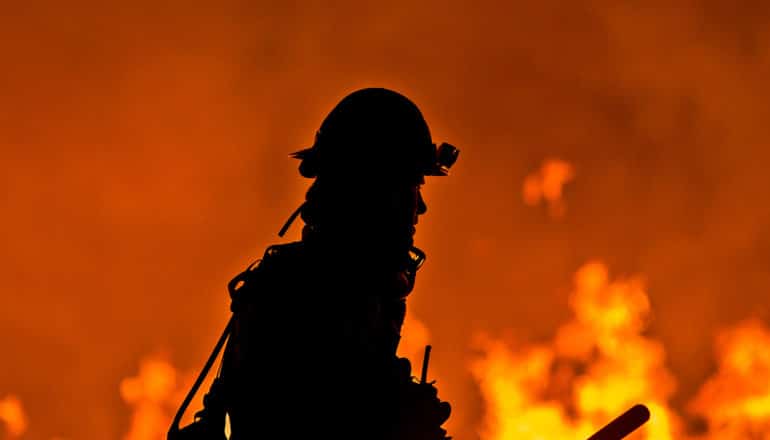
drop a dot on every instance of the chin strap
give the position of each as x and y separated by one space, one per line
416 257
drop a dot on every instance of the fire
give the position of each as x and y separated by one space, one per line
152 394
13 416
156 391
547 183
735 401
598 365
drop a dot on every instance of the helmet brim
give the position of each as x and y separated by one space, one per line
435 169
301 154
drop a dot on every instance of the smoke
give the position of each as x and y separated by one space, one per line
143 162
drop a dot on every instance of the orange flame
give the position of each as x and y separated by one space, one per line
152 394
13 416
735 402
546 184
158 388
598 365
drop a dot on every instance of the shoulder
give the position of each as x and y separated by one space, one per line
283 252
277 260
281 259
277 256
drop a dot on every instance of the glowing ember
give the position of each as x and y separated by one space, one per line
598 365
547 183
13 416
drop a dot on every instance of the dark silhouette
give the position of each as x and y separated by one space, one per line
624 424
316 323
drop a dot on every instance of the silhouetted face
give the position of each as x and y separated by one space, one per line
403 211
378 215
415 204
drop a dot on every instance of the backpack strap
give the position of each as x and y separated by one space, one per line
235 288
174 430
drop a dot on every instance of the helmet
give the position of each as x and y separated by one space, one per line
375 132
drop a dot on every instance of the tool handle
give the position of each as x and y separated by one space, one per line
425 361
625 424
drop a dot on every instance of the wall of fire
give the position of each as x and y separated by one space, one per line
606 232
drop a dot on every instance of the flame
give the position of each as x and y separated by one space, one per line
151 394
546 184
154 396
144 156
13 416
598 365
735 401
158 388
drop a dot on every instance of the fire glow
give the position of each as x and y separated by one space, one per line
158 388
12 415
547 185
152 395
600 363
143 164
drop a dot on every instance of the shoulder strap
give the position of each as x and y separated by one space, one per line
201 377
234 287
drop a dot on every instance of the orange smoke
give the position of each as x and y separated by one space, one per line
547 184
12 415
598 365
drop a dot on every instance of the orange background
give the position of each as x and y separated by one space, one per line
143 162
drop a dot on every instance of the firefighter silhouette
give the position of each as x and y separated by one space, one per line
316 323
